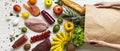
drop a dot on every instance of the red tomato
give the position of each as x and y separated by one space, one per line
41 36
17 8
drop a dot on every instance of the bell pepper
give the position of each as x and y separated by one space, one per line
68 26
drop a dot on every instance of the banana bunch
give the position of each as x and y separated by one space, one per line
60 40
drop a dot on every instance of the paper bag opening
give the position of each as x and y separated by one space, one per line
102 24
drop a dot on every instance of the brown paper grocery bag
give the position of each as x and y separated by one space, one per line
102 24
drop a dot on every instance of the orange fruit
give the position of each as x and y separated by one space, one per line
32 2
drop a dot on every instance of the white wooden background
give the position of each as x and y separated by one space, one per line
5 44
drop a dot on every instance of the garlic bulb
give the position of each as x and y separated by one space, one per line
8 18
15 22
19 27
12 34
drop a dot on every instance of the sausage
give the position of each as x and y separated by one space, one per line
20 41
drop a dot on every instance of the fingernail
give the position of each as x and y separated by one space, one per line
97 6
93 43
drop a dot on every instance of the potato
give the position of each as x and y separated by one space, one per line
70 47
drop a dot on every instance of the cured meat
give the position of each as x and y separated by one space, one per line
36 25
44 46
20 41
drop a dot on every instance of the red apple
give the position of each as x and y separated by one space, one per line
58 9
17 8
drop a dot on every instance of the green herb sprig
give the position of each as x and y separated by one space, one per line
59 2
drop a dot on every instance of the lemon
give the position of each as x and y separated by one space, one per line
25 14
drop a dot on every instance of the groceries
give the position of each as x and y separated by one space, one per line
15 22
8 18
56 28
33 2
59 2
44 46
34 10
17 8
58 9
36 25
41 36
67 35
68 26
25 15
78 36
60 41
70 47
48 17
48 3
27 46
60 20
24 29
74 6
69 13
13 36
20 41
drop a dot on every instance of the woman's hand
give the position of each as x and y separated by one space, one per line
104 4
98 43
105 44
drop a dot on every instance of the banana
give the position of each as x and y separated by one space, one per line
71 35
57 49
55 43
67 36
60 41
63 44
57 39
54 47
60 36
63 34
61 49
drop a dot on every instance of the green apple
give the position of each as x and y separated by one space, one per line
48 3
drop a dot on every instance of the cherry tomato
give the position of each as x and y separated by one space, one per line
40 37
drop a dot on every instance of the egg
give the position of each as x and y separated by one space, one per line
12 34
19 27
15 22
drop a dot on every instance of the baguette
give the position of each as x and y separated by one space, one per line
74 6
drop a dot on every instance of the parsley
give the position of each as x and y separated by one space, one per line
12 38
11 14
16 35
17 15
59 2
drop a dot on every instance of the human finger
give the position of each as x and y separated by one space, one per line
97 4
